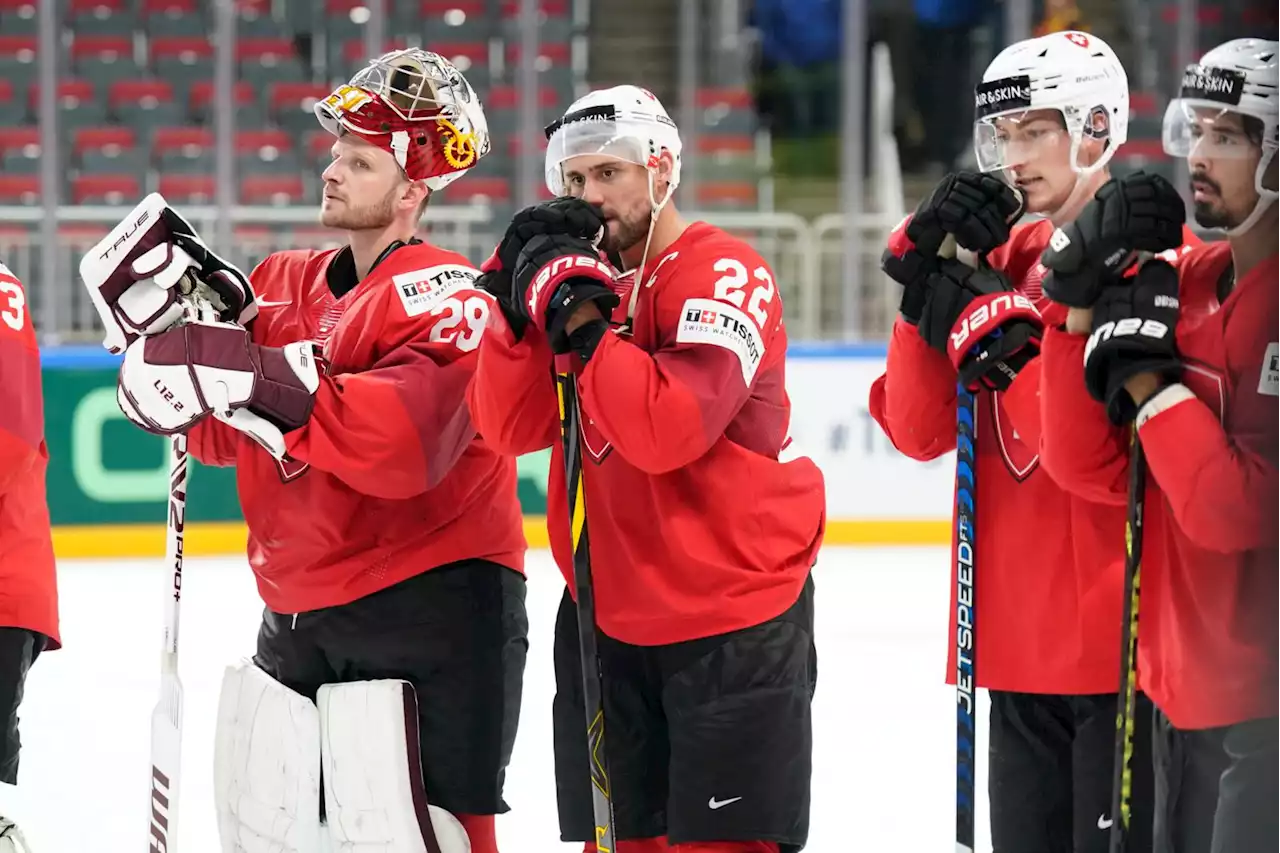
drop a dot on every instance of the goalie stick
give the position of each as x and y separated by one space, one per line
592 693
166 719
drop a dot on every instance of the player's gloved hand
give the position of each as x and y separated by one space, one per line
555 276
987 330
977 208
1139 212
139 276
1133 333
171 381
232 294
566 215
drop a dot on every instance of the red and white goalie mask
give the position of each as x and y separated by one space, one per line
417 106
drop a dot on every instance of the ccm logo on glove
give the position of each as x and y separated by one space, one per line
991 312
559 269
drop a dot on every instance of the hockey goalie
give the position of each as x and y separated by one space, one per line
384 535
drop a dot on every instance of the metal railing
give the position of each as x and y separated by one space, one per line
807 258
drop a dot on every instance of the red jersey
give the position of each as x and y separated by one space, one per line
697 527
28 583
388 478
1049 579
1207 627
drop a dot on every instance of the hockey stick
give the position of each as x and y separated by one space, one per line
592 693
166 719
1122 782
965 557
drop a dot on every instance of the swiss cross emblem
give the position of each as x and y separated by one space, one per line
1079 39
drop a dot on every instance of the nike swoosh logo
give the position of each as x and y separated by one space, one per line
262 303
714 804
1104 822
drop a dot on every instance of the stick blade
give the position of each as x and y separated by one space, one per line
166 758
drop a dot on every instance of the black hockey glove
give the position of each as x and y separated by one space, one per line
977 208
972 316
566 215
556 275
1136 213
1133 333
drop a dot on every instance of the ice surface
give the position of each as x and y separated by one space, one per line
884 768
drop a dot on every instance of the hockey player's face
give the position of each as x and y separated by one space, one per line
362 185
1223 163
621 190
1037 150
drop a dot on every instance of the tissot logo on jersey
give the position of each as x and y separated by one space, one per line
1269 378
706 321
421 290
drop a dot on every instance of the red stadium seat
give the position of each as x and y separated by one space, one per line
353 50
71 94
266 51
81 8
549 8
20 48
19 189
104 138
181 48
727 194
202 95
285 95
105 189
475 188
159 7
172 139
101 47
272 189
139 92
466 55
19 138
508 98
550 55
187 189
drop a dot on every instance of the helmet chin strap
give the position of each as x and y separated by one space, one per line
1079 191
655 210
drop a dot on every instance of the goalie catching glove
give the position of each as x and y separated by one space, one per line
140 274
171 381
1139 212
1133 333
556 275
987 330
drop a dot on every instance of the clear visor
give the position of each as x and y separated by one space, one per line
1009 140
1195 128
604 138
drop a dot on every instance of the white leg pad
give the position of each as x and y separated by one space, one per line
266 765
373 789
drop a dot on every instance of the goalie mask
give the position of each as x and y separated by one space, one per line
1227 108
418 107
1074 74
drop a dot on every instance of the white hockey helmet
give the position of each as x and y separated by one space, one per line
416 105
1075 73
626 122
1241 77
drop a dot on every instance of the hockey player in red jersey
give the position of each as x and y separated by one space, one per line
1188 358
702 534
1051 113
28 585
385 536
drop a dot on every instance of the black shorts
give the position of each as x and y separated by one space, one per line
1052 765
707 740
18 650
458 634
1216 789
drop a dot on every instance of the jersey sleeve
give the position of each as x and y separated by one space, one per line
21 398
1080 448
394 431
914 402
719 314
512 397
1222 489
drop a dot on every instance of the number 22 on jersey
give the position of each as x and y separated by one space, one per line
732 286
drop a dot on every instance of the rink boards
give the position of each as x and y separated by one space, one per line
107 479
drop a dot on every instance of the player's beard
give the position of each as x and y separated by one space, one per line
630 231
368 217
1212 213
